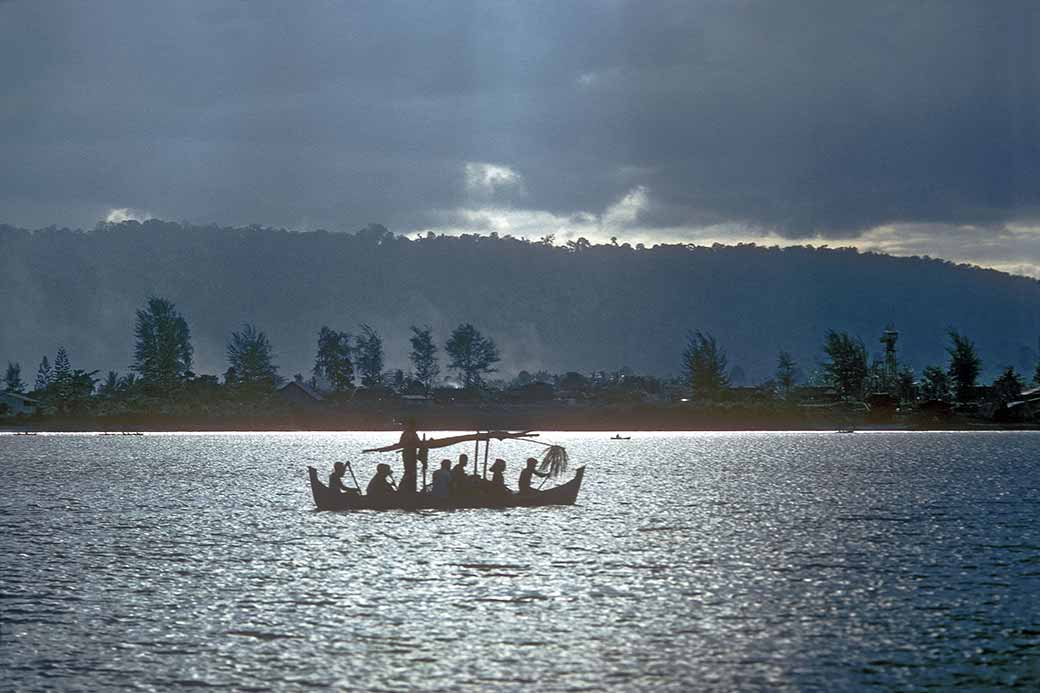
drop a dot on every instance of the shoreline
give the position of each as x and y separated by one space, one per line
459 416
225 426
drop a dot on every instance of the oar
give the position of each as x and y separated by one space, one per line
356 484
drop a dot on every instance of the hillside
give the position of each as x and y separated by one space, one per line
558 308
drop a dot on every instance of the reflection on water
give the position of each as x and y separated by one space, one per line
751 560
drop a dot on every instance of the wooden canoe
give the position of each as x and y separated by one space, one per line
328 499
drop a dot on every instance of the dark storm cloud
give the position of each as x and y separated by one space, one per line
805 118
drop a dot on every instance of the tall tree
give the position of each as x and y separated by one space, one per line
786 372
250 357
1008 386
81 386
13 378
704 365
43 375
163 351
935 384
370 357
62 379
333 363
846 368
472 354
424 356
965 365
110 385
1036 374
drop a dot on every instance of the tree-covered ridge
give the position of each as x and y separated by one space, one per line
574 306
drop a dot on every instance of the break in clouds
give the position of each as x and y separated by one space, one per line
905 127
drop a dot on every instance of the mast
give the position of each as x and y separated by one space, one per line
487 447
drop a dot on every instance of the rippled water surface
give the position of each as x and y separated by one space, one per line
753 560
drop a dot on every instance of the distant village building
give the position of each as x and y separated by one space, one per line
13 404
531 392
417 399
299 393
1025 409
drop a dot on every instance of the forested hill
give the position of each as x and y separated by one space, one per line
559 308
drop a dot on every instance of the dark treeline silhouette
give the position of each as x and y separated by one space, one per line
573 307
162 386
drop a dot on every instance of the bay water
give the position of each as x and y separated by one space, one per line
709 561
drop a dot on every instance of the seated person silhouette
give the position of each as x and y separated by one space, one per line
442 480
458 475
380 486
525 476
336 478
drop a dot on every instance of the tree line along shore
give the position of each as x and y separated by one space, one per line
349 388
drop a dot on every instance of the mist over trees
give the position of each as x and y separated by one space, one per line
577 307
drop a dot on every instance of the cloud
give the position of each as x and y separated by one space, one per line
808 120
625 212
120 214
489 180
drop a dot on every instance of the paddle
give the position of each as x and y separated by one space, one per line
356 484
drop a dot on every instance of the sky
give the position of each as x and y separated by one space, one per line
904 127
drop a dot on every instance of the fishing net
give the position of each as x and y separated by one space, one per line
554 461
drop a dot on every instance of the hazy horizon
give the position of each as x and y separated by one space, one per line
556 308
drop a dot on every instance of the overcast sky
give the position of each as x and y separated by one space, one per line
911 127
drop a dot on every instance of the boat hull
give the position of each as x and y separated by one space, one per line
328 499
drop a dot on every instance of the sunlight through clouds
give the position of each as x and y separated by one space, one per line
488 180
118 215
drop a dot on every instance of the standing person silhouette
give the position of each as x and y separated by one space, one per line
410 457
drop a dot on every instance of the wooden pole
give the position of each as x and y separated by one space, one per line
425 454
476 453
487 447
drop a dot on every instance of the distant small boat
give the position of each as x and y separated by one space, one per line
846 430
621 437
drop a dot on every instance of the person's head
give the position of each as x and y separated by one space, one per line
339 467
531 462
382 469
445 464
499 465
463 460
409 423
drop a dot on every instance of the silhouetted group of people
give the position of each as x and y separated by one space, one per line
448 480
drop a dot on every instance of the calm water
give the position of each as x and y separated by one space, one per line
754 560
